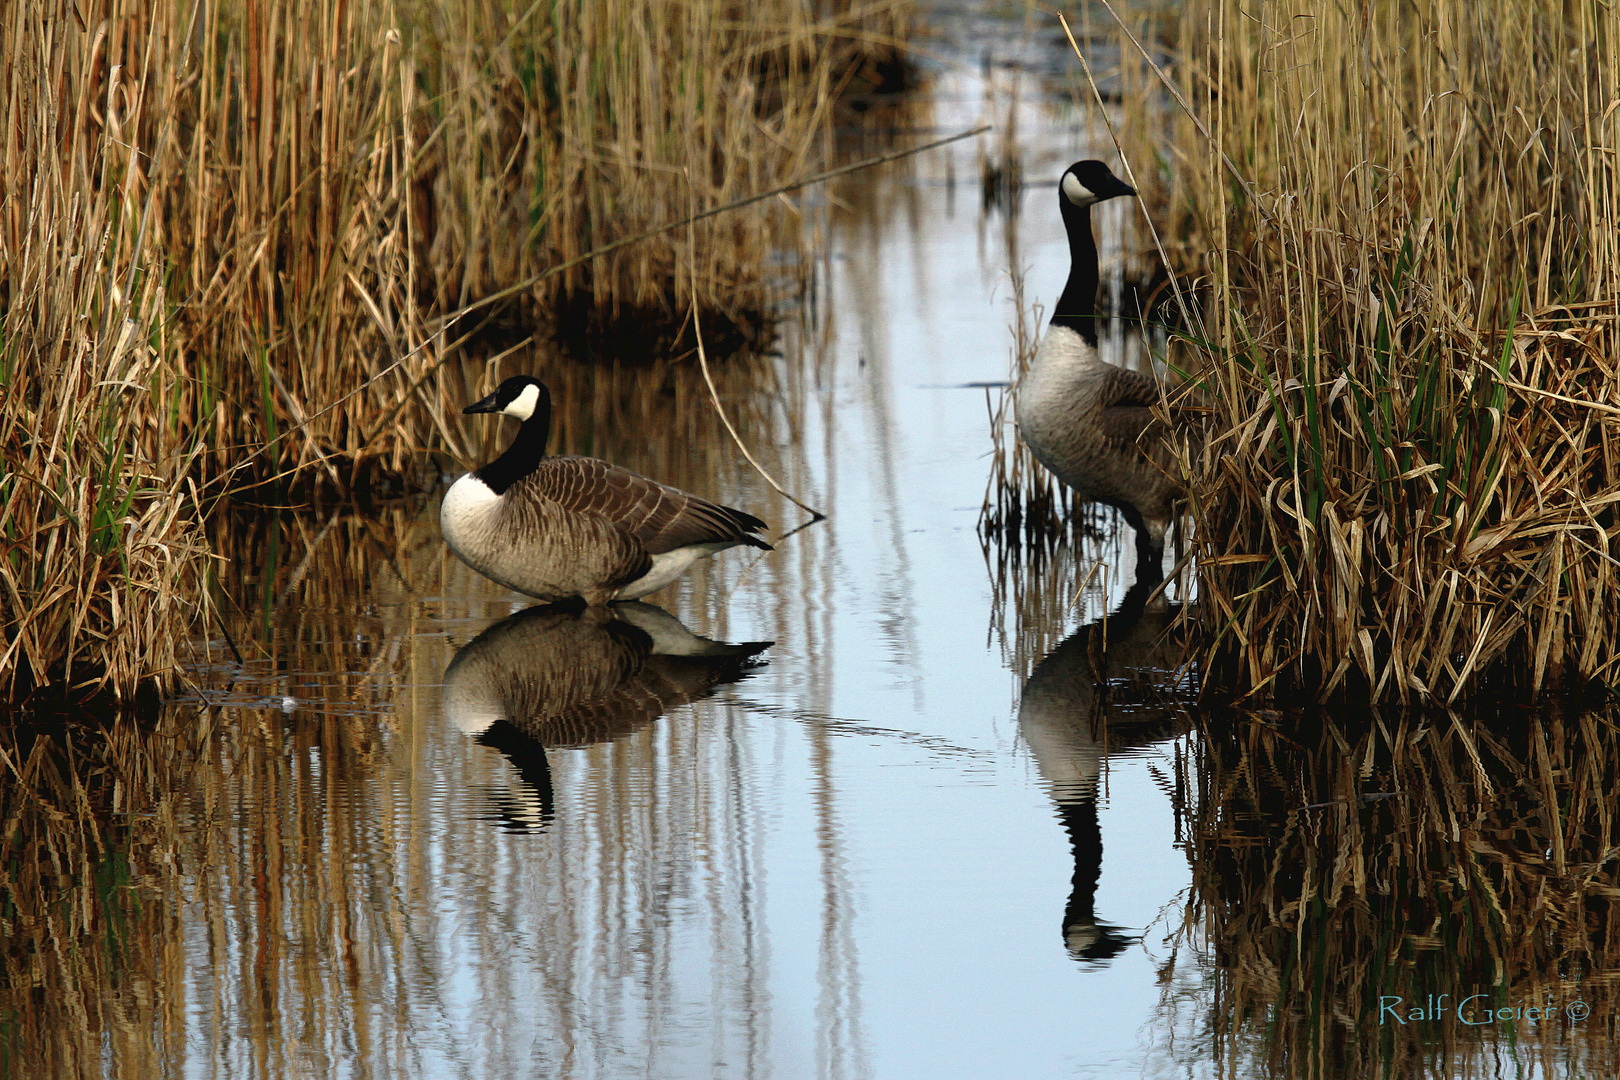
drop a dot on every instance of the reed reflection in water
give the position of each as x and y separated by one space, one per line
1359 876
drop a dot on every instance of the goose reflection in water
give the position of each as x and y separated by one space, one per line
564 675
1109 687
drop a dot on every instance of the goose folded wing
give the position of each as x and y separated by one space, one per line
1127 400
661 518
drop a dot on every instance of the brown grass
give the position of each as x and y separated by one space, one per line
237 241
102 557
1397 225
1414 276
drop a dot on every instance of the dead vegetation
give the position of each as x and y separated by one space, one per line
240 245
1405 216
1398 222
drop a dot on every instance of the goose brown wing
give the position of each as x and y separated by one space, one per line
1124 387
661 518
1123 426
1127 400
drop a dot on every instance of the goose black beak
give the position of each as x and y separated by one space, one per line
1119 187
488 404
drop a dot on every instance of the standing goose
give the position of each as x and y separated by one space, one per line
560 527
1089 422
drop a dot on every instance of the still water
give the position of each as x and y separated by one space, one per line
927 832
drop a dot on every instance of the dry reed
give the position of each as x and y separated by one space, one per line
101 552
1403 216
235 237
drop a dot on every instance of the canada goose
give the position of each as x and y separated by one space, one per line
1107 688
569 675
1089 422
560 527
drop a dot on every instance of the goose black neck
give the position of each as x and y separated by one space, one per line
523 455
1085 840
1077 307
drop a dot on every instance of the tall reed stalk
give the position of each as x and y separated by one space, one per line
101 551
237 240
1403 216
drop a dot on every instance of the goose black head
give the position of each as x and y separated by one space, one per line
1088 182
1084 183
524 398
521 396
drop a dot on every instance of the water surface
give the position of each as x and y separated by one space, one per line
928 832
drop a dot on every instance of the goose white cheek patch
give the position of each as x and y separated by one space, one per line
523 405
1076 192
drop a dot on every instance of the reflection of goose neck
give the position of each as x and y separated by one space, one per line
1085 841
571 675
1083 935
535 809
1064 718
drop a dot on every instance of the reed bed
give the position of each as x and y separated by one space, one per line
241 245
102 555
1403 219
1361 859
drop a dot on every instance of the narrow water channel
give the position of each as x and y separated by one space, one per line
924 833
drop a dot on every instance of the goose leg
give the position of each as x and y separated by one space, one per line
1150 551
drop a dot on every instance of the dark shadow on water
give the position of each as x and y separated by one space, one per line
561 676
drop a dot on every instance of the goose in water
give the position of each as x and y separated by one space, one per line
560 527
1089 422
